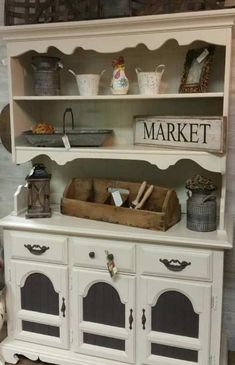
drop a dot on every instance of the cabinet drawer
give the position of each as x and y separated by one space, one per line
176 262
37 246
91 252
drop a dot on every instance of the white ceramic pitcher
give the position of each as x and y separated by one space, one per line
88 84
149 82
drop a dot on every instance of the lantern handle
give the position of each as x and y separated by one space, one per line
68 110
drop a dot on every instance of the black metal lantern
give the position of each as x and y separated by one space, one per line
38 182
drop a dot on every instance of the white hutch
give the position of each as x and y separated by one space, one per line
62 305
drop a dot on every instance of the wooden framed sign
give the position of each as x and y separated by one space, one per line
191 133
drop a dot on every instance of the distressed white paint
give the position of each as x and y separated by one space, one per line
206 297
11 176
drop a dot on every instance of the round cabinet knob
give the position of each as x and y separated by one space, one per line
92 254
110 257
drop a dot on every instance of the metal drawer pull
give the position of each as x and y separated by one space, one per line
37 249
143 319
92 254
63 307
131 319
171 265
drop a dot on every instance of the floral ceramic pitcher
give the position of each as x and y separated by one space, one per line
119 82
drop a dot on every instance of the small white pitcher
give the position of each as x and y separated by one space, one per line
149 82
88 84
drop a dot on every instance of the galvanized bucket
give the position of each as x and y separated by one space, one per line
46 75
88 84
201 212
149 82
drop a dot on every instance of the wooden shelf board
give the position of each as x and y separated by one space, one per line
120 97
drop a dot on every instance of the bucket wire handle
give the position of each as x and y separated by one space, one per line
102 72
60 64
72 72
68 110
160 68
138 70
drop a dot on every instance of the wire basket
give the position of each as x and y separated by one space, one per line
48 11
37 11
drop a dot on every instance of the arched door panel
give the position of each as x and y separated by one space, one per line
175 322
103 314
41 303
174 313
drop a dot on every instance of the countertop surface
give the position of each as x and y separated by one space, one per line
177 235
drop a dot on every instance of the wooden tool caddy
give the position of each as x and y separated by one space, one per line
90 199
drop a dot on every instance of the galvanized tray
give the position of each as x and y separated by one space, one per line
81 137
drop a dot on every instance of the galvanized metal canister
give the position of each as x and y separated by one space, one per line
201 212
46 75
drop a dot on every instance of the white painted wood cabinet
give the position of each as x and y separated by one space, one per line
164 306
89 47
76 309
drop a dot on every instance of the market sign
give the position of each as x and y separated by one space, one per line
194 133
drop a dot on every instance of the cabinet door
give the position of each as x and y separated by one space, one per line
102 315
174 322
41 303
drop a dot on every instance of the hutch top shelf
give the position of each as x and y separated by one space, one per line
89 47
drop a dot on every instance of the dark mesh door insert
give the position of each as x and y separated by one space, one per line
174 352
103 305
43 329
174 314
102 341
38 294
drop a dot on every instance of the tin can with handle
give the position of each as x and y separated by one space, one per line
46 75
149 82
88 84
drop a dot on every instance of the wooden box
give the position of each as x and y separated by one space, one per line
90 199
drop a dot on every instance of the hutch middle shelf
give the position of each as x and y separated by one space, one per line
121 97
